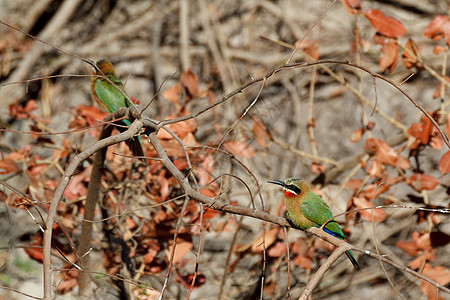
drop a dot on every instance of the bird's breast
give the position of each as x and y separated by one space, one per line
295 215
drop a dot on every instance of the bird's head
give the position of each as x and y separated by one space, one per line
105 66
292 186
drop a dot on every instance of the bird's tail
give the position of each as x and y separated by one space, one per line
134 144
136 148
352 259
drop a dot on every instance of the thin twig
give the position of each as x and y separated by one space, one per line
197 257
174 244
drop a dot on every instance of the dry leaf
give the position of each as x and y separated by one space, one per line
438 28
189 80
389 48
410 60
379 214
385 25
371 146
352 6
310 47
303 262
92 114
438 92
269 239
205 171
444 163
239 149
19 112
356 135
385 153
439 49
439 274
186 280
182 248
375 169
173 94
422 182
262 135
8 165
409 247
353 184
429 255
277 250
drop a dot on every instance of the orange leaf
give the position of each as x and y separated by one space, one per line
68 284
390 50
186 281
439 49
269 239
447 126
91 113
150 255
205 170
163 186
261 132
417 130
424 241
17 111
173 93
303 262
444 163
422 182
189 80
374 190
438 28
379 215
8 165
35 253
277 250
239 148
385 25
182 248
309 47
438 92
352 6
409 247
77 186
375 169
429 255
300 247
403 163
356 135
385 153
410 60
353 184
439 274
371 146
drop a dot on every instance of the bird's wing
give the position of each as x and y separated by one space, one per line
110 96
316 210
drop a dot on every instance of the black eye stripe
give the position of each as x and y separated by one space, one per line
293 188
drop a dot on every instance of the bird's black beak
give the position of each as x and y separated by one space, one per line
279 182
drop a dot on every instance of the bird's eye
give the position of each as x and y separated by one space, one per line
295 189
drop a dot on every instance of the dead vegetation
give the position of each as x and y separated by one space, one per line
259 90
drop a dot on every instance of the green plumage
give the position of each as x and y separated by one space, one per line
110 99
306 209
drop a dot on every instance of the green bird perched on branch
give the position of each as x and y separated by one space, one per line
110 99
305 209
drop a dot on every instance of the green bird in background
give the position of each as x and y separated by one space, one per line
110 99
305 209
